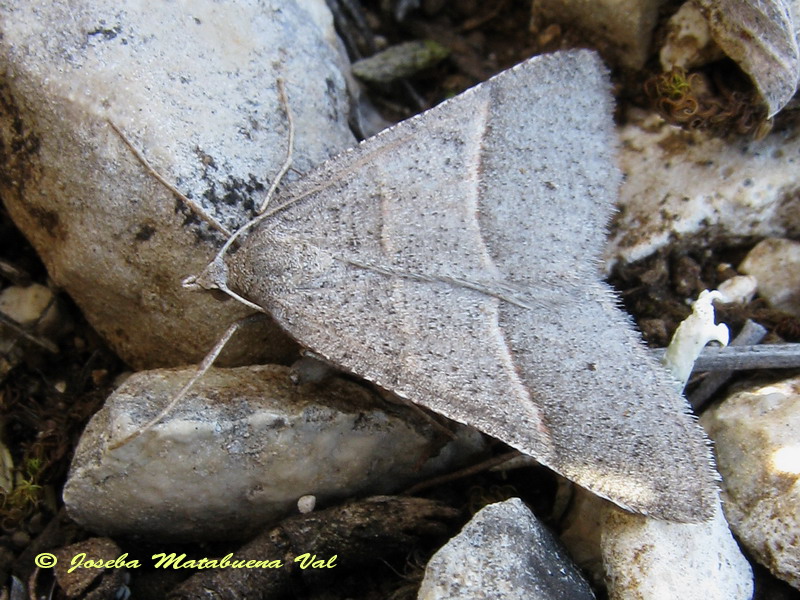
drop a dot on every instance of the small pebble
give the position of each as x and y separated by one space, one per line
26 305
775 263
20 539
94 583
306 504
739 289
688 41
36 524
402 60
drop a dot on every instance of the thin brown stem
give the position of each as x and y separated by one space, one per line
462 473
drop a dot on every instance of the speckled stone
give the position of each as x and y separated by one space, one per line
756 435
648 558
687 188
194 87
503 553
241 450
775 263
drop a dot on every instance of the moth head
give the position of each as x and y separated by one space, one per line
213 277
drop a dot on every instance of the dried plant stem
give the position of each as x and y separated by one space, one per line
751 333
20 330
462 473
740 358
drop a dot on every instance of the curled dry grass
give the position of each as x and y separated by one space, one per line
707 103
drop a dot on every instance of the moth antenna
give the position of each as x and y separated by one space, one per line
287 164
262 210
196 208
202 369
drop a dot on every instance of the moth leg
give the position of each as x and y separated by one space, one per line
202 369
196 208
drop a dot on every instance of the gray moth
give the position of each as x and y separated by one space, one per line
453 260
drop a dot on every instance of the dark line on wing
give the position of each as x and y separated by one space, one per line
496 289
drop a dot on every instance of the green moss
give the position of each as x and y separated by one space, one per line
27 492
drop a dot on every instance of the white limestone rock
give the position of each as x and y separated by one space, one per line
739 289
647 558
503 553
775 263
684 187
34 308
194 87
240 451
640 557
687 40
756 435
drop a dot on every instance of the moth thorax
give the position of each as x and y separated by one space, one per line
277 262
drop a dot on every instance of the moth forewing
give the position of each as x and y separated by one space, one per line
452 259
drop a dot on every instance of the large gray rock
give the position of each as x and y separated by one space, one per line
503 553
756 435
194 87
240 451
